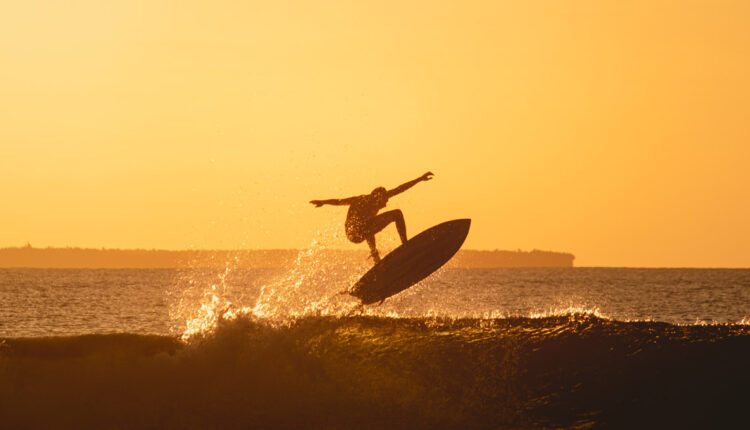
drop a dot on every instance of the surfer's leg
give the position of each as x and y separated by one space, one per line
381 221
373 249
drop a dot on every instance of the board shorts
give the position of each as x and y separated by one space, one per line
357 231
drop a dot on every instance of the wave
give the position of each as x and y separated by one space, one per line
558 371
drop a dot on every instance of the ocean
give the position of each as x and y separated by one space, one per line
280 348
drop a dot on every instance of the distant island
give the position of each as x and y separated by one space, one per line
143 258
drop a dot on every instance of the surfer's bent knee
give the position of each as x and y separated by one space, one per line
395 215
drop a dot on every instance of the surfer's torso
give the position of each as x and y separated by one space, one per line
361 211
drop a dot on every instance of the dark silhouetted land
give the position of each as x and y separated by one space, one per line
143 258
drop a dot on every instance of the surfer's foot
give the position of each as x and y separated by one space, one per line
375 257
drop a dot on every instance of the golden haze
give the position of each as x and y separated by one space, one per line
613 130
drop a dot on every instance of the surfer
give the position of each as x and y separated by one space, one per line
363 220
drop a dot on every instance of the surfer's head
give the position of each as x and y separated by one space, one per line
380 195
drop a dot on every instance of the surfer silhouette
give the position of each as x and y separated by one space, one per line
363 220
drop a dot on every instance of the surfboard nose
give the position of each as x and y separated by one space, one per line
463 223
460 228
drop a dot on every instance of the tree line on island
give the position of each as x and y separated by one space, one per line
29 256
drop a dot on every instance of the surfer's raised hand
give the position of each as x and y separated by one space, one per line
317 203
403 187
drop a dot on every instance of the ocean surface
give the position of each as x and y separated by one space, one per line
466 348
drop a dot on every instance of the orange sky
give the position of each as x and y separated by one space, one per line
614 130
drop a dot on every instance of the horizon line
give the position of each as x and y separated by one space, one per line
27 246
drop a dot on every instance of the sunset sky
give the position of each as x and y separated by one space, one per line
615 130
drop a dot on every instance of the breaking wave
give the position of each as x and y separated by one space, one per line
569 370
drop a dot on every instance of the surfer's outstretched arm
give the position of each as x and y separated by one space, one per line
336 202
403 187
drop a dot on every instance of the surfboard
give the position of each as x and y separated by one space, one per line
411 262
